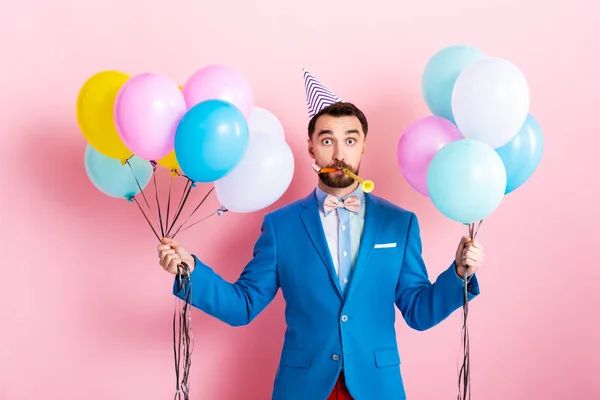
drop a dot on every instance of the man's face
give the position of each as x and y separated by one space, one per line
338 142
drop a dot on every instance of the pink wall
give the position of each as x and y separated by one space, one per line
90 309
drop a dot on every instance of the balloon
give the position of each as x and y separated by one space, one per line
95 113
113 178
221 83
262 120
211 139
147 111
522 155
490 101
440 74
466 180
261 178
169 161
417 146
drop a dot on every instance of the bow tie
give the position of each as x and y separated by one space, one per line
351 204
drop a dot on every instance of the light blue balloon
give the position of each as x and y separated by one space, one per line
466 180
522 154
211 139
114 179
441 72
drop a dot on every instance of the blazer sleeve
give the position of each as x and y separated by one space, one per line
424 304
236 303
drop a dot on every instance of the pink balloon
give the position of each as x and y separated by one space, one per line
148 109
219 82
419 143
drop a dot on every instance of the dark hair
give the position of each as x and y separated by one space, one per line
339 109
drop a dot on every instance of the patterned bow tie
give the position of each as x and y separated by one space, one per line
351 204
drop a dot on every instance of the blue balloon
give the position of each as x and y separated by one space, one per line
522 155
115 179
466 180
441 72
211 139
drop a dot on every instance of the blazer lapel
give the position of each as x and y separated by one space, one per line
312 222
374 212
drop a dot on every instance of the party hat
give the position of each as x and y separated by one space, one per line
317 95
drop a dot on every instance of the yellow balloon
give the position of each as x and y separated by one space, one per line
170 161
95 113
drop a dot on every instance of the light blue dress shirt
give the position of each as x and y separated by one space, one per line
343 230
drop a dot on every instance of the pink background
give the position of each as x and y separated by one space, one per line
86 310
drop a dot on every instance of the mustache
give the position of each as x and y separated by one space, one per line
340 165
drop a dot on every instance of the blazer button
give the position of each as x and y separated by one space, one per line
335 357
344 318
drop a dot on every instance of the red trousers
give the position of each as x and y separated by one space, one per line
340 391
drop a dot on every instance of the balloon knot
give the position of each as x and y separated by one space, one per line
174 172
123 161
221 210
153 163
130 199
193 185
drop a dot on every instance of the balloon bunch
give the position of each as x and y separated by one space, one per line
479 144
207 131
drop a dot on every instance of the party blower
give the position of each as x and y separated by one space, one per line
366 185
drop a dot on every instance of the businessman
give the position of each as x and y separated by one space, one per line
344 260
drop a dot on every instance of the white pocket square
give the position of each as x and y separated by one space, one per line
385 245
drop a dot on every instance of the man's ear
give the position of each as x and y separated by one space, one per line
311 151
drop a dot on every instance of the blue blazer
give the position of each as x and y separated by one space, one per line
326 331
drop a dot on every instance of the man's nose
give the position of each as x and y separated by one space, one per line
338 154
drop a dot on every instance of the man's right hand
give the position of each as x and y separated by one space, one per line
171 254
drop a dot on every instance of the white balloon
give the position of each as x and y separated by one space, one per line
490 101
261 178
264 121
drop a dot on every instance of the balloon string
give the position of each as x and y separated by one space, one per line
188 182
195 209
182 205
160 219
138 183
464 379
146 217
185 337
219 212
168 203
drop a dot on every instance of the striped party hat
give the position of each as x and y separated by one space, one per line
317 95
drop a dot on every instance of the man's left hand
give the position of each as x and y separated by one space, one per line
469 257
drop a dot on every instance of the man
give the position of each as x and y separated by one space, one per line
343 259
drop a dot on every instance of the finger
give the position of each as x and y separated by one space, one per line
475 248
163 254
167 260
476 253
174 264
170 242
473 252
472 264
477 244
473 257
162 248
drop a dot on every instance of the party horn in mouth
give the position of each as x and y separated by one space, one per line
366 185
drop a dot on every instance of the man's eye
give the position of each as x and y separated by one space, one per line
327 141
351 141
